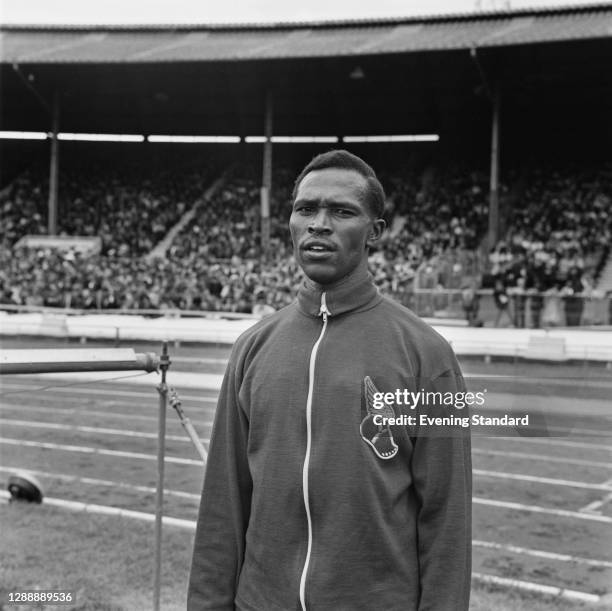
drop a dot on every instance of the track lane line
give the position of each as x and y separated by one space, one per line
191 525
563 513
543 457
100 451
111 511
555 441
113 415
536 587
95 429
90 481
187 461
196 497
542 480
103 392
595 506
538 553
606 486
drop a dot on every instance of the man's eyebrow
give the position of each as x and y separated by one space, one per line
331 203
305 201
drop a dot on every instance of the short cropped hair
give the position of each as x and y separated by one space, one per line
341 159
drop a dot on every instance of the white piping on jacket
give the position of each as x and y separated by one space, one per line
323 311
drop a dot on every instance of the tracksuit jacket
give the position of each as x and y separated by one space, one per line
306 504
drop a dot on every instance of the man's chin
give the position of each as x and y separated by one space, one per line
320 273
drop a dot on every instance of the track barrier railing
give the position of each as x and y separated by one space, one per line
525 309
520 309
113 359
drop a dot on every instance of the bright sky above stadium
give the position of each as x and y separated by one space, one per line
212 11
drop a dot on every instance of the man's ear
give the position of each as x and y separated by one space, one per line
378 226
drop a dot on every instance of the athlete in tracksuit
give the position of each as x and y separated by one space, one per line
307 503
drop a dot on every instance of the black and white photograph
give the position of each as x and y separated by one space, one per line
306 306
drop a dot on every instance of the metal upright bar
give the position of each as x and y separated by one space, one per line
266 187
159 500
494 182
54 168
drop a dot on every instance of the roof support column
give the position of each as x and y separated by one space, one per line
494 182
266 188
54 167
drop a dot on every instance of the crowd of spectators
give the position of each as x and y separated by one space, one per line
436 221
557 233
129 205
44 277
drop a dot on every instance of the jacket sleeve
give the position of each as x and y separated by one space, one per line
442 476
223 517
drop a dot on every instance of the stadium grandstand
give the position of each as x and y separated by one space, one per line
146 179
176 147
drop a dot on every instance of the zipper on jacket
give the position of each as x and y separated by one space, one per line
324 312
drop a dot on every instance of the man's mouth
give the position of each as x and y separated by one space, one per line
316 246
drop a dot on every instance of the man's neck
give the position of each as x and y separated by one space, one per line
353 292
357 275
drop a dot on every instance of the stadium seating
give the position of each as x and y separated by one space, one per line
558 226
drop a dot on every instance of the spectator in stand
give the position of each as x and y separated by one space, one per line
535 286
572 298
470 301
501 299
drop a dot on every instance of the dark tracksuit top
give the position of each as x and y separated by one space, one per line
298 510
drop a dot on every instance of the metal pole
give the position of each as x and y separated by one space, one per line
266 187
78 359
159 500
494 184
175 402
54 168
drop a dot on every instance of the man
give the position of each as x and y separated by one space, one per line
309 501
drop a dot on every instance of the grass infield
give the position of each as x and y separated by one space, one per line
109 563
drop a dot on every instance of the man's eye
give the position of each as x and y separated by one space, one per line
305 209
343 212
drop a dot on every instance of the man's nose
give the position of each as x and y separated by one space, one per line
319 223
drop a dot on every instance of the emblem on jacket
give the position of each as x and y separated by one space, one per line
377 436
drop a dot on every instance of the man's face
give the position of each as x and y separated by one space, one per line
331 224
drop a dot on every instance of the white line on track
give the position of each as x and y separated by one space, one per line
542 480
538 553
111 511
91 412
595 506
90 481
543 457
151 404
180 379
190 525
564 513
208 423
100 391
104 452
187 461
196 497
566 430
555 441
94 429
536 587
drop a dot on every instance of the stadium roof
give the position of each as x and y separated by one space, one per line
213 43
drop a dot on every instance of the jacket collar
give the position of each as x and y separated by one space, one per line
356 293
